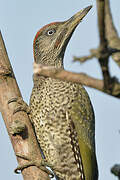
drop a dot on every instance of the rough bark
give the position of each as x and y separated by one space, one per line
26 143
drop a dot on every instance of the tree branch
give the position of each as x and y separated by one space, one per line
102 53
83 58
96 53
111 33
49 71
109 45
103 61
26 144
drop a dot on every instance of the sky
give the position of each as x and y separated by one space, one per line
19 22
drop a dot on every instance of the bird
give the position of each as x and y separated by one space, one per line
61 112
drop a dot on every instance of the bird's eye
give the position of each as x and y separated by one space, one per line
50 32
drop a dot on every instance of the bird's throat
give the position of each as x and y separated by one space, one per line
49 60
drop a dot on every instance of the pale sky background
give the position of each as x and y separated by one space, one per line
19 22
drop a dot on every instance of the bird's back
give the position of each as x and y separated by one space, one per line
63 119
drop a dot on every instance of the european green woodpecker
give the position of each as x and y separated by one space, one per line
61 112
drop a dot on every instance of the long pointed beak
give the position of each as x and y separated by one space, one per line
68 28
77 18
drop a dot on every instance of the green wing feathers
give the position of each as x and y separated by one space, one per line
83 118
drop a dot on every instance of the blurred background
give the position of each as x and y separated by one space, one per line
19 22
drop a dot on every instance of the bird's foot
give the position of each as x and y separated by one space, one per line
20 106
41 164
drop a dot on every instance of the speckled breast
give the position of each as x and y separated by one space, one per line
51 105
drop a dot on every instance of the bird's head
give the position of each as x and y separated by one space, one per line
50 41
